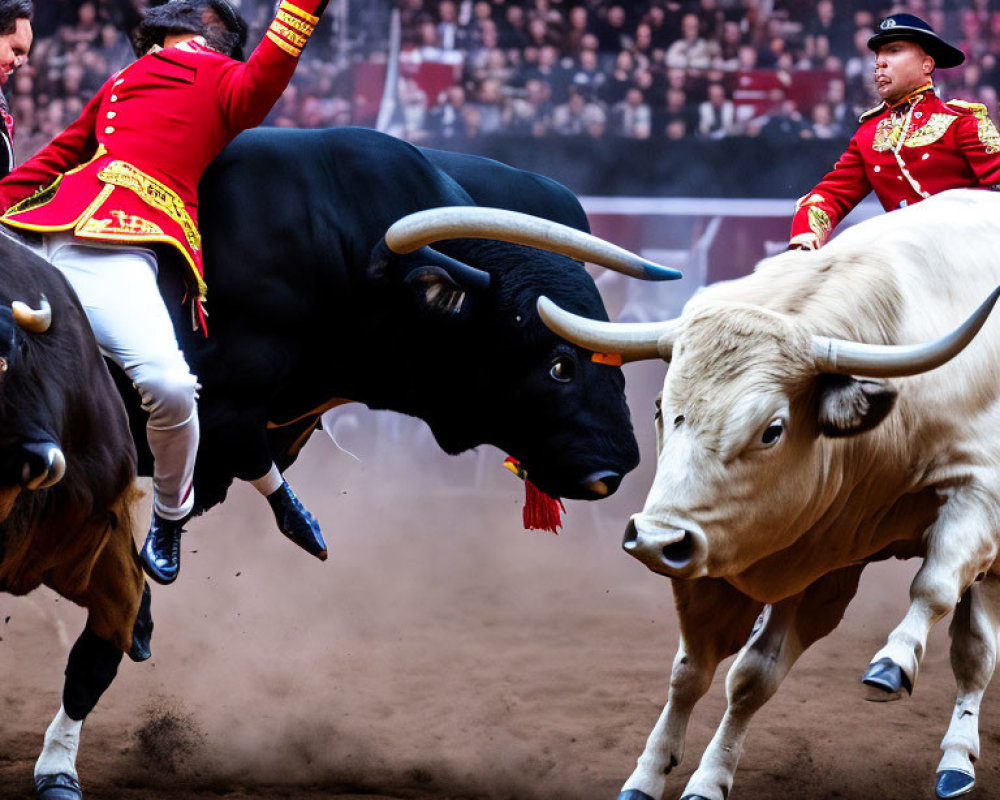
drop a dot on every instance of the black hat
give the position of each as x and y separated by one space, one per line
914 29
185 16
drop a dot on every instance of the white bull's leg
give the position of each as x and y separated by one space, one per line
960 546
715 620
56 766
788 628
975 631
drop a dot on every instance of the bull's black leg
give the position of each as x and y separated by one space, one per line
92 665
142 628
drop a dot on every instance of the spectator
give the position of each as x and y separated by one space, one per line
823 125
613 35
691 51
632 118
717 115
531 112
678 110
568 117
587 75
445 121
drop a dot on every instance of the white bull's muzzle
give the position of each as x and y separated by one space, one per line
674 551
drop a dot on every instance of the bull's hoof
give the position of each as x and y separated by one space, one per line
57 787
634 794
142 628
953 783
888 678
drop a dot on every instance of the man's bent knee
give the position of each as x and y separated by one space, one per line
169 396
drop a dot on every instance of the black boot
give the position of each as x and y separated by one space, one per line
142 628
161 554
295 521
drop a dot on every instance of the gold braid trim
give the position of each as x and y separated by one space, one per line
156 194
299 12
294 52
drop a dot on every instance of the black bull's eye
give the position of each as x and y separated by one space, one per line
563 370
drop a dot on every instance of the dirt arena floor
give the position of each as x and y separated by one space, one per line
443 653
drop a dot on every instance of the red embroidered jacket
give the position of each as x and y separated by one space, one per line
128 169
945 146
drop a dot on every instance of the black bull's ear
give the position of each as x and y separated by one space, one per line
439 283
848 406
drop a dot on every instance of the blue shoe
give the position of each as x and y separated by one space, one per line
57 787
161 554
295 521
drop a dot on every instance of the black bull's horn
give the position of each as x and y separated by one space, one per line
31 320
477 222
639 341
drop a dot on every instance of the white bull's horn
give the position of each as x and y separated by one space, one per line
31 320
633 341
476 222
893 361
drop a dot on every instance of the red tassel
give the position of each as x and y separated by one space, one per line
541 511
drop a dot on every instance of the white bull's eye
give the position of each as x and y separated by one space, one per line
772 433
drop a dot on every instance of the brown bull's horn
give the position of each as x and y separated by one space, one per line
633 341
31 320
893 361
54 473
475 222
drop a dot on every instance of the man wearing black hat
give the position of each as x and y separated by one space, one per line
909 147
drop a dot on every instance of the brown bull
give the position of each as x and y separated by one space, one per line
67 469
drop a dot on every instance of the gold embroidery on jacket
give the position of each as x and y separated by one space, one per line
987 131
819 222
156 194
121 224
931 131
36 199
889 130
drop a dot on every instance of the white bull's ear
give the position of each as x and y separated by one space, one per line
848 406
435 292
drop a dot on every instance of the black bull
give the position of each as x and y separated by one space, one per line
307 306
301 313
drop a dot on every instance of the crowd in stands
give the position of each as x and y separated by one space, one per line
591 68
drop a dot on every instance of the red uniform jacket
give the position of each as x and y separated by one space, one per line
128 169
944 146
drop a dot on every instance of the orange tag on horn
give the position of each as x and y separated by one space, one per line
611 359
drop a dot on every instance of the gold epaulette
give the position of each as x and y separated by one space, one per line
291 28
965 105
871 112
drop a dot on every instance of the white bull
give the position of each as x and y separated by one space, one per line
789 456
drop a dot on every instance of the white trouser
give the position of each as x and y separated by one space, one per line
117 286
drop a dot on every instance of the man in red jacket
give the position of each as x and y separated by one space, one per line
910 146
124 178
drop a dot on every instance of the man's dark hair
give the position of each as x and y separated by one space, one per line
11 11
186 16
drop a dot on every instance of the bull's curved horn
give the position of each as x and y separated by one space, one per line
31 320
54 472
633 341
894 361
476 222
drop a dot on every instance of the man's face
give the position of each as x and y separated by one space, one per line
14 49
901 67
